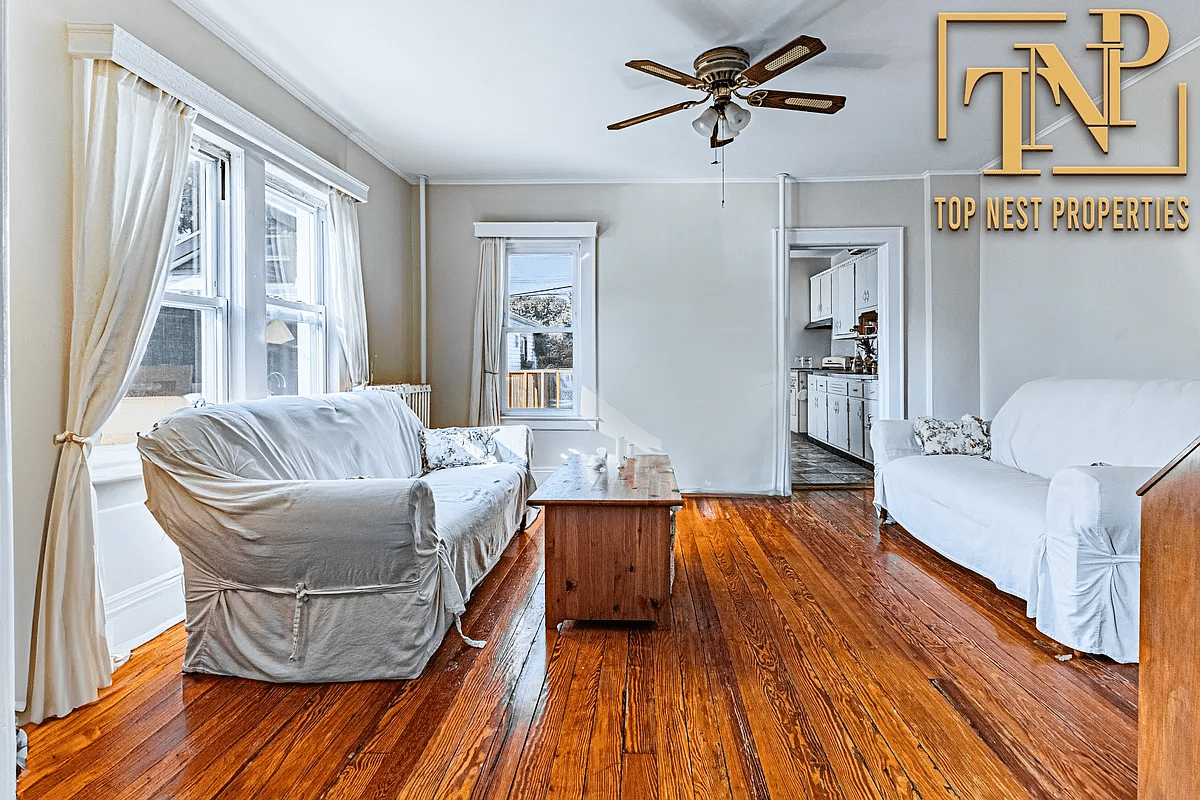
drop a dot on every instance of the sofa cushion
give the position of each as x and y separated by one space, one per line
477 509
983 515
442 448
1053 423
941 437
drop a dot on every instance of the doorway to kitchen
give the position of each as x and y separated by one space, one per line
842 356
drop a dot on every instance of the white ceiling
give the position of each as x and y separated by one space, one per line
481 90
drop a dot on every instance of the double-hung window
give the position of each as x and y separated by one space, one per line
547 336
542 279
295 288
238 320
186 358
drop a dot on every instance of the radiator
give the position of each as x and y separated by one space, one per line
415 395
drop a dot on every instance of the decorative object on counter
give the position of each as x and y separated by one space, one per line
806 362
865 343
857 366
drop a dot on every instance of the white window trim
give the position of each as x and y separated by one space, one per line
585 356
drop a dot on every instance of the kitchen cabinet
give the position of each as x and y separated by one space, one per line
844 316
820 296
840 410
818 419
794 395
870 414
857 416
866 283
839 414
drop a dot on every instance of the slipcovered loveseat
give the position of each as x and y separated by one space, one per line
1052 515
314 547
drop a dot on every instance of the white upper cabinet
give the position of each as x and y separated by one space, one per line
866 282
820 296
844 316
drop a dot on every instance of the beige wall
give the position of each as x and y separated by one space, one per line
685 317
39 119
951 284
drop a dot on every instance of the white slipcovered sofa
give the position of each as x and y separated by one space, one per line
1052 515
314 549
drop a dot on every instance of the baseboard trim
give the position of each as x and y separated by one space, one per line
138 614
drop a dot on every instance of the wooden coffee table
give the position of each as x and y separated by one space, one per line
609 539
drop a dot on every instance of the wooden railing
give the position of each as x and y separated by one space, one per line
536 388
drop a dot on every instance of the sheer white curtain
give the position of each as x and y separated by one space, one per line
131 154
349 301
487 349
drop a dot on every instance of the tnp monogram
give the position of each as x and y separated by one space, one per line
1046 62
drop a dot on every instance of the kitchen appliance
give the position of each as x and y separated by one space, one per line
835 362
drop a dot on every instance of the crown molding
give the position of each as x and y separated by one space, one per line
112 43
685 181
316 106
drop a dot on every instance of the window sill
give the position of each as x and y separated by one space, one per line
539 423
110 463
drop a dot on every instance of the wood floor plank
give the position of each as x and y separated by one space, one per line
806 653
899 765
862 760
793 758
607 741
745 770
847 597
532 778
222 745
639 777
455 749
1019 697
568 773
500 767
709 773
640 725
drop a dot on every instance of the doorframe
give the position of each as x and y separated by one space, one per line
889 244
8 741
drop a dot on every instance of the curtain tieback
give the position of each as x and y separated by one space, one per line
74 438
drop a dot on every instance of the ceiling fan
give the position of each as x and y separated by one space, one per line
721 73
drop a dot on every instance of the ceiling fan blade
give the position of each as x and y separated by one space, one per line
662 112
797 101
666 73
795 52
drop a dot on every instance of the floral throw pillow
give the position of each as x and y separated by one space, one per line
457 447
969 436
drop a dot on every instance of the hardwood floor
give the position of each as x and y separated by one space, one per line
808 654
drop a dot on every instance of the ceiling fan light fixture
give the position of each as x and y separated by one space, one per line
736 116
705 123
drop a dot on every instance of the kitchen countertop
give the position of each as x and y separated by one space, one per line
837 373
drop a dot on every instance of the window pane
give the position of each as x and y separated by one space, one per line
295 356
174 360
191 257
291 249
540 370
539 290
